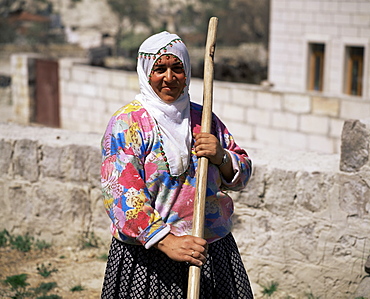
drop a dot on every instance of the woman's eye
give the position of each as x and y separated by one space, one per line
160 70
178 69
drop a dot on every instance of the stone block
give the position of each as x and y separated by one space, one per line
222 94
280 191
285 120
349 31
354 196
312 190
349 7
100 76
80 75
297 103
232 112
111 94
19 209
84 102
355 109
355 146
335 127
269 100
6 150
25 159
243 97
253 195
88 89
267 135
73 88
364 6
314 124
50 162
295 140
241 132
342 19
258 117
325 106
321 144
93 165
118 79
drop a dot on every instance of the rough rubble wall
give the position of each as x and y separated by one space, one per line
300 222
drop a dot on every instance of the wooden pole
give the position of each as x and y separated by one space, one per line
201 182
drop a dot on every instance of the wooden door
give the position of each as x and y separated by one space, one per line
47 93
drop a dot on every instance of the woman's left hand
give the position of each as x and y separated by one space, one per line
207 145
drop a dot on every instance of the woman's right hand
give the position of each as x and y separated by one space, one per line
184 249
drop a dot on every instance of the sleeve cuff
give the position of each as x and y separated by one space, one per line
236 168
159 236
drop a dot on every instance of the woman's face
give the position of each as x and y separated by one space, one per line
168 78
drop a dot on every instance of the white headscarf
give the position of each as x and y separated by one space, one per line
173 119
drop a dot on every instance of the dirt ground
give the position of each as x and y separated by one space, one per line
75 267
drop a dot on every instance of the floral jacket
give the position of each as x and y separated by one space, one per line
142 199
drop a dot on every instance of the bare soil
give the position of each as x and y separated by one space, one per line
75 267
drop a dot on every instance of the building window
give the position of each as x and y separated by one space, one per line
354 70
316 67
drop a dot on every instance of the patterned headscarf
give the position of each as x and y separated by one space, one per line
173 119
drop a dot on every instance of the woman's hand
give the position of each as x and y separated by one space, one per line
184 249
207 145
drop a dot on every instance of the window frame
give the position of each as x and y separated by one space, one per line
351 58
316 51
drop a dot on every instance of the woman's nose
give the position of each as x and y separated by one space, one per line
169 75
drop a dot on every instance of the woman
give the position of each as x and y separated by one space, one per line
150 151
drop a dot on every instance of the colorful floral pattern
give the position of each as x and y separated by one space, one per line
142 198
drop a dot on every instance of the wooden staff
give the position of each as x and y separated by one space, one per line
201 185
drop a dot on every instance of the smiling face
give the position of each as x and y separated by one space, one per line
168 78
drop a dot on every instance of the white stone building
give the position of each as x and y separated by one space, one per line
321 45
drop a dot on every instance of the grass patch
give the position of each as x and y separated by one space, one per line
89 240
103 257
46 271
269 289
77 288
22 243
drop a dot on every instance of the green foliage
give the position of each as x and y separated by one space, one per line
42 244
89 240
18 285
21 243
103 257
270 288
18 288
77 288
45 287
49 297
46 271
311 296
4 237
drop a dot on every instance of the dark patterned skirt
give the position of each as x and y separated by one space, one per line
135 272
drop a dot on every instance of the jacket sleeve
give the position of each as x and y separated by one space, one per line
241 162
126 198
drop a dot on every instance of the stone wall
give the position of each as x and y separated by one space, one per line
255 115
301 221
50 183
